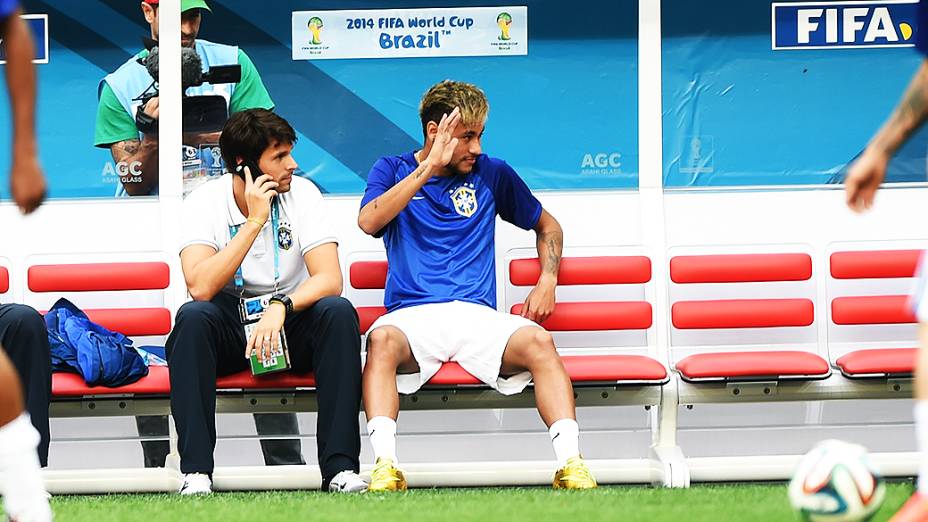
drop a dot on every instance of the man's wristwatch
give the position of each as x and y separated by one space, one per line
282 299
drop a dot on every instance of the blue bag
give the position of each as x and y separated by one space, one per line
79 345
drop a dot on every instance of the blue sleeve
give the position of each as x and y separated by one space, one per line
515 203
921 30
8 7
379 180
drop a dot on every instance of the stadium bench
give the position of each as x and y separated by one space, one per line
243 392
868 318
586 371
773 361
149 395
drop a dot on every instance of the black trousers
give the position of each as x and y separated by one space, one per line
208 340
25 340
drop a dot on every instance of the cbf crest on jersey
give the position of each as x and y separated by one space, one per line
284 236
465 200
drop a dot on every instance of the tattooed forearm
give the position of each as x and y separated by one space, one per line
137 165
908 116
553 245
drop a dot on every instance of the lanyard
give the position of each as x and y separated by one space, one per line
275 223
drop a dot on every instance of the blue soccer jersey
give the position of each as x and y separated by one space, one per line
7 7
441 247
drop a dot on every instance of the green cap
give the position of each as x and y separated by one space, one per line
186 5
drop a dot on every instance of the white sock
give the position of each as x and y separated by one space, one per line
565 436
921 438
382 432
22 486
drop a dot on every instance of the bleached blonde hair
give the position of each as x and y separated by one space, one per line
444 96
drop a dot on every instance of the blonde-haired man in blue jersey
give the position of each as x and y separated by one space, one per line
436 210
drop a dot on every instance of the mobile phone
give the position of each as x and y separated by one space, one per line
252 166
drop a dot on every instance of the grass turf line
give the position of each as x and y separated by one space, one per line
736 502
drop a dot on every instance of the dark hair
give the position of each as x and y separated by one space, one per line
247 134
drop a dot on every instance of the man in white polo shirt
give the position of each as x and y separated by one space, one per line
263 232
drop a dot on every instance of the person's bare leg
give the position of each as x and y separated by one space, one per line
532 349
388 353
11 400
24 496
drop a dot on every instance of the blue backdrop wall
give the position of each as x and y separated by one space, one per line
736 112
565 116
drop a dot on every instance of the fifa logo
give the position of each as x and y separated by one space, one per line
504 21
833 25
315 27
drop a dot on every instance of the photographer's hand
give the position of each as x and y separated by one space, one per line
151 107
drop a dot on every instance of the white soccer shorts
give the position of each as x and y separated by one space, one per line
469 334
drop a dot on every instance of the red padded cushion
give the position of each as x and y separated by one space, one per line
368 274
133 321
245 380
580 368
878 361
620 315
752 364
607 368
157 382
4 280
73 385
740 268
876 309
450 374
742 313
368 314
874 264
98 277
605 270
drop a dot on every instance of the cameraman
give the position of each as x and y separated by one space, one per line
135 148
263 231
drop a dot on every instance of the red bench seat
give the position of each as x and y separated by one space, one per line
581 368
157 382
784 364
880 362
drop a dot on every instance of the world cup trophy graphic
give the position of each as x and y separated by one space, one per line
504 20
315 26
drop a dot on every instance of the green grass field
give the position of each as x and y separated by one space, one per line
736 502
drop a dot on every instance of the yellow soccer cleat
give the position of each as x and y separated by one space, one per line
575 475
386 477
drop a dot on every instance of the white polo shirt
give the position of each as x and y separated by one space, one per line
210 211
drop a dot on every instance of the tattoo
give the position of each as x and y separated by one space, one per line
915 101
375 202
123 149
419 172
909 114
554 244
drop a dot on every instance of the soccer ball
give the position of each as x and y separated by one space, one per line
835 482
